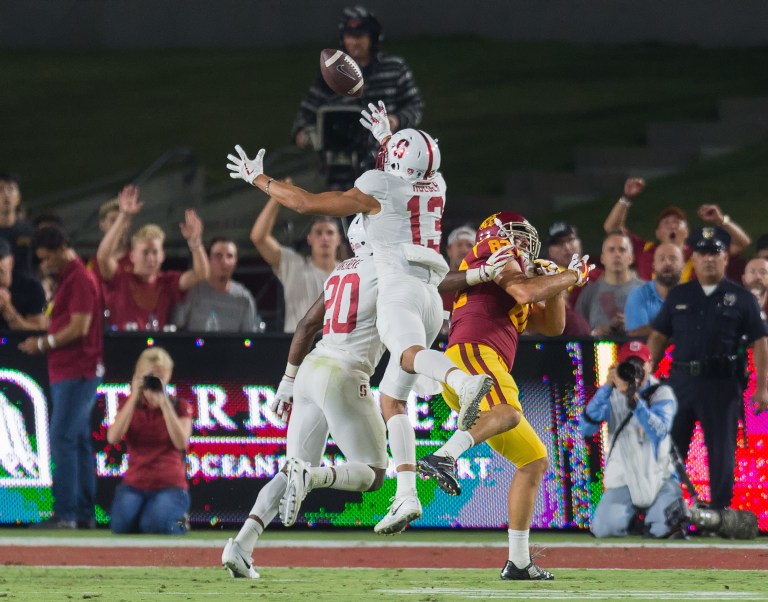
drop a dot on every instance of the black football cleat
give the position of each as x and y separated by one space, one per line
530 573
443 469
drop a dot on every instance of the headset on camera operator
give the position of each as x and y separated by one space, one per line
639 474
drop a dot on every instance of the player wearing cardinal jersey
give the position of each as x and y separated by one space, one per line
485 326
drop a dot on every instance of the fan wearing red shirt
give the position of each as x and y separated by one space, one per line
74 348
142 299
154 494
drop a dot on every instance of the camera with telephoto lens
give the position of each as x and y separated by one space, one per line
152 383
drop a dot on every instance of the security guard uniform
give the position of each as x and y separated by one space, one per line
707 372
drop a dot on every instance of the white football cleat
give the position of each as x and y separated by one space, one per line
237 562
471 394
299 485
402 511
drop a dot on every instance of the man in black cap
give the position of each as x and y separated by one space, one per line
387 78
707 319
22 299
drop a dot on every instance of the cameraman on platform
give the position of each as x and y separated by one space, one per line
639 475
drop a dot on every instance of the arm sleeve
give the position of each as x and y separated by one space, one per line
635 311
656 418
598 410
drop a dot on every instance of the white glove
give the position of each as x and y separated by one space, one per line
581 267
245 168
376 121
282 402
492 266
545 267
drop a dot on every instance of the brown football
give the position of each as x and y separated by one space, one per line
341 72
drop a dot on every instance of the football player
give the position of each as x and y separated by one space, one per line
402 204
485 326
327 391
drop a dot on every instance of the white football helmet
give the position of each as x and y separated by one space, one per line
358 238
412 155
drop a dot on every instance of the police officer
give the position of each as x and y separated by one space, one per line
707 320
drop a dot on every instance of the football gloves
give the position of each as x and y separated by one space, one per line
376 121
581 267
245 168
282 402
492 266
545 267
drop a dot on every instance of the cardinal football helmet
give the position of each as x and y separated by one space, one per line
358 238
412 155
515 228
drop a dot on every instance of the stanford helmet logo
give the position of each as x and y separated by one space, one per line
399 149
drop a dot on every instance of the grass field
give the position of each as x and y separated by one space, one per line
87 114
356 565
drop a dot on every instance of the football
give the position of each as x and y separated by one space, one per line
341 72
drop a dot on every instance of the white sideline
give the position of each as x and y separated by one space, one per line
174 542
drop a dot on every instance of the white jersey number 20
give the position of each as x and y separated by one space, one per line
343 296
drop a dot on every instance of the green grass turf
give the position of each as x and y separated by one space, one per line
73 116
134 585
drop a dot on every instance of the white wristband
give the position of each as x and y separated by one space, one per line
51 341
474 276
726 220
40 345
266 188
625 201
291 370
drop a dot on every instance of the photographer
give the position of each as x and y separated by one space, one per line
154 494
639 476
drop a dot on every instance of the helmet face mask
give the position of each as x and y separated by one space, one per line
412 155
515 228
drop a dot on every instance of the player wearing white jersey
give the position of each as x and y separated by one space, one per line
331 394
403 207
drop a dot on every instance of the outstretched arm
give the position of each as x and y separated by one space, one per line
192 231
618 215
128 201
739 239
337 203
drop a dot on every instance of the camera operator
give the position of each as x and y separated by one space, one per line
639 476
154 494
387 78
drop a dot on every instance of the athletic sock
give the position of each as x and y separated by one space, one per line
436 365
352 476
266 507
402 445
458 443
519 554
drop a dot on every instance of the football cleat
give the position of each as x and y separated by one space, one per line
531 572
443 469
299 485
471 394
237 562
402 511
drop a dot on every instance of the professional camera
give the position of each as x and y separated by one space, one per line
631 371
152 383
345 147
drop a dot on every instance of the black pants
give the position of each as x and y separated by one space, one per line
716 403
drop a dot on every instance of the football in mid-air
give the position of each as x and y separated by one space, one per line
341 72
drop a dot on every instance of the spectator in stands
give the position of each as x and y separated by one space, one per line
74 347
761 246
602 302
108 214
302 277
562 243
218 303
639 473
387 78
154 494
143 298
17 231
672 226
460 242
644 302
755 279
22 298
